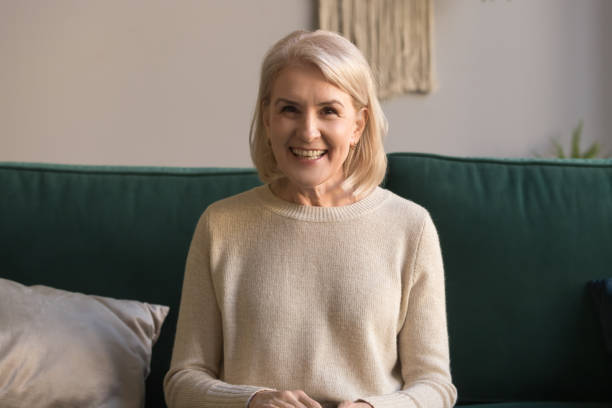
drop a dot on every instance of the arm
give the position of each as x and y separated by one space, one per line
193 378
423 339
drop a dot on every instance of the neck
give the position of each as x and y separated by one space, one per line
318 196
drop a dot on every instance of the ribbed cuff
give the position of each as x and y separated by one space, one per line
422 394
224 395
395 400
252 395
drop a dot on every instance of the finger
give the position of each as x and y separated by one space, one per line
308 402
285 404
289 399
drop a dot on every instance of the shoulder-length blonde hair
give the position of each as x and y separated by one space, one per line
343 65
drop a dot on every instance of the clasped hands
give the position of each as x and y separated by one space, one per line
294 399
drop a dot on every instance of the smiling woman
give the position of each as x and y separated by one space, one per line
343 85
319 288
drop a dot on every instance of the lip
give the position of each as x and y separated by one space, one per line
306 160
305 148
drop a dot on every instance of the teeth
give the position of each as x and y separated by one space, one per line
308 153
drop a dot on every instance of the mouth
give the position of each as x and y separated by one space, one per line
308 154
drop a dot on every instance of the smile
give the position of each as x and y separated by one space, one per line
307 154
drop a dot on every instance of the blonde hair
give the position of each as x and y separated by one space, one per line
343 65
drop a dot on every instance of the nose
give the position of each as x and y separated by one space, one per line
309 127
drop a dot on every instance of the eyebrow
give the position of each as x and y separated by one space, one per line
290 102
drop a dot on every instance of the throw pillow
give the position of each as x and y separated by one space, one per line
601 291
66 349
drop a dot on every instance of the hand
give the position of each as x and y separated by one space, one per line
350 404
282 399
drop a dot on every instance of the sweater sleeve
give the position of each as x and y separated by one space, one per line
193 378
423 339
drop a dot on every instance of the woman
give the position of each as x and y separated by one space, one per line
318 288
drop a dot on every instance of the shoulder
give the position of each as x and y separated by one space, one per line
418 220
241 201
401 218
227 216
232 209
398 206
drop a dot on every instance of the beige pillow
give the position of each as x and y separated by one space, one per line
65 349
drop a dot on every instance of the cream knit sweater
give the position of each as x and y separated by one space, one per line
345 303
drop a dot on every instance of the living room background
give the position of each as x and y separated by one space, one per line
173 83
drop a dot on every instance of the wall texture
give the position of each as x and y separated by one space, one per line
513 74
154 82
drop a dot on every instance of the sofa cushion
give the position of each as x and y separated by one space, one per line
67 349
520 238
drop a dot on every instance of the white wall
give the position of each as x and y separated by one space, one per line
155 82
512 75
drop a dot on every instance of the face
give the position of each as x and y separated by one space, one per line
311 125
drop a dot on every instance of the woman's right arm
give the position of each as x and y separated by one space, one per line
193 378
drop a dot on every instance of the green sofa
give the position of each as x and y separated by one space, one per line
520 238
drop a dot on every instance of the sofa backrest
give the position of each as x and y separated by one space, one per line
121 232
520 239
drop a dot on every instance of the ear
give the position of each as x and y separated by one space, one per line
361 120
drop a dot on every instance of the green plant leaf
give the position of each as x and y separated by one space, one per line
592 152
558 149
576 140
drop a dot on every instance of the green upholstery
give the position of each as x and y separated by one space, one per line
122 232
520 239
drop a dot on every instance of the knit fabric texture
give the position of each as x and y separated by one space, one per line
344 303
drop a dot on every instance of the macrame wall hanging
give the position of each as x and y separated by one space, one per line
394 36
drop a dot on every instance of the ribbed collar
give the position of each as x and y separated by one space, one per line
320 214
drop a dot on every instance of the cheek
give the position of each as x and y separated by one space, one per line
279 127
279 133
340 133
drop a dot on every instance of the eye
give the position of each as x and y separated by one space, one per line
328 110
289 108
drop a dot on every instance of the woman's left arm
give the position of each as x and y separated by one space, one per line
423 340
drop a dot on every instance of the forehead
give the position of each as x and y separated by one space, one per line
305 83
